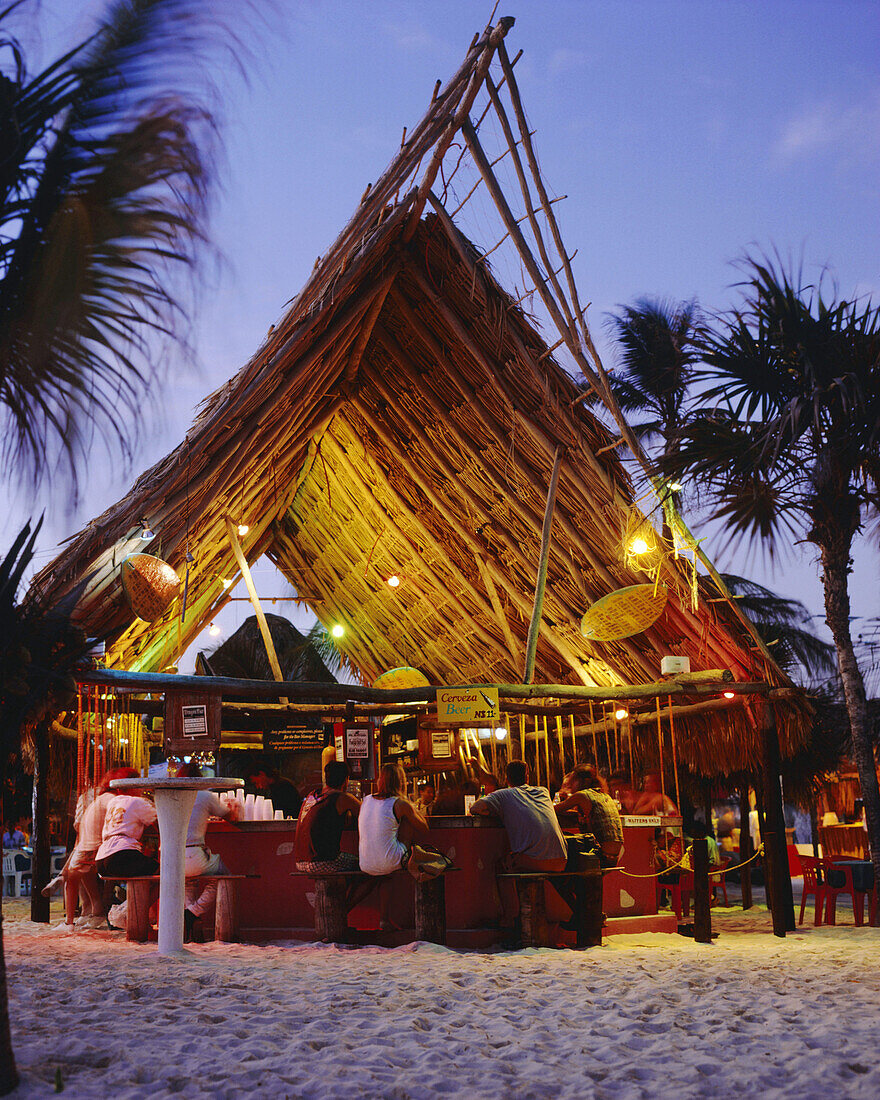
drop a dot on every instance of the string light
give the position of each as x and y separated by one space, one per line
147 534
226 582
638 546
338 630
500 733
243 529
729 695
620 714
214 630
393 581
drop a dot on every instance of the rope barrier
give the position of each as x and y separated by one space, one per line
672 866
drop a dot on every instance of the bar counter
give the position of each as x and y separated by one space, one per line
279 905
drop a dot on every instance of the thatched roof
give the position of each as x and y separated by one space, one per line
404 417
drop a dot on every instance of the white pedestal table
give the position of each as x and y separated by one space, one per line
175 799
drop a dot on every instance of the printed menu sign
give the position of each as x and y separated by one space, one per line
440 744
357 742
195 721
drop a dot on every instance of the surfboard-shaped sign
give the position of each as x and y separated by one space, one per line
624 612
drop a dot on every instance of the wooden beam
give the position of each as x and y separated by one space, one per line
244 568
541 582
497 608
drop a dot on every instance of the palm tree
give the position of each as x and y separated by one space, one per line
105 168
792 447
104 177
785 628
38 648
657 353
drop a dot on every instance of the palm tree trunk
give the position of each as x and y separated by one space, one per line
40 842
835 566
8 1073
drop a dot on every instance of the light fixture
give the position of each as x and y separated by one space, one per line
338 630
500 733
147 534
620 714
214 630
675 486
226 582
243 529
393 581
729 695
638 546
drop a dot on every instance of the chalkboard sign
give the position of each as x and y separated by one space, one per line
300 738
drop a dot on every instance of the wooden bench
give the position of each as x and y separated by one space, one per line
587 915
331 891
139 890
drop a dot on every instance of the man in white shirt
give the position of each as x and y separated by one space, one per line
201 863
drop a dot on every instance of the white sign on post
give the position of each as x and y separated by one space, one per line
357 743
194 721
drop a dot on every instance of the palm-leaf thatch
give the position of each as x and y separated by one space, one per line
403 418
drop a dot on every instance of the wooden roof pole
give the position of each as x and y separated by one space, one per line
255 600
541 583
497 608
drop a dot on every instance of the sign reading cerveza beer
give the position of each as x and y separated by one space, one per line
300 737
478 705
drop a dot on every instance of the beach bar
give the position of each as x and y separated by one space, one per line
428 473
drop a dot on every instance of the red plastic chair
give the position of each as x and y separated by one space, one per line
837 866
810 869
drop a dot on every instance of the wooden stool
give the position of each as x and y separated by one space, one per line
587 915
430 909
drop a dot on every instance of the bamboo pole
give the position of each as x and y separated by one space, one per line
497 608
547 750
560 744
538 605
244 568
522 736
674 752
574 751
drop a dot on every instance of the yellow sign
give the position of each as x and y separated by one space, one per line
624 612
473 705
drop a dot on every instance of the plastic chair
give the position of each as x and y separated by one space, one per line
679 893
839 880
811 870
16 874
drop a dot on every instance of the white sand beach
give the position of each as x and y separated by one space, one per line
643 1016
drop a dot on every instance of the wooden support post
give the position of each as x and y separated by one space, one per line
702 900
430 910
745 848
40 811
331 919
255 600
538 606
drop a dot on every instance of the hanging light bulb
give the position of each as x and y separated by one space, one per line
638 546
500 733
226 582
214 630
393 581
243 529
729 695
147 534
338 630
620 714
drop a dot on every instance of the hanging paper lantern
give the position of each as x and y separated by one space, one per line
624 612
150 585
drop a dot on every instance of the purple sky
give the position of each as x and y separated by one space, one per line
681 132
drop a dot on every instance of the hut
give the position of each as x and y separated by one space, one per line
405 420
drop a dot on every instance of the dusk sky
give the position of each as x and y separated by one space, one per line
683 133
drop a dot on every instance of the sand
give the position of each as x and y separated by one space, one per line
643 1016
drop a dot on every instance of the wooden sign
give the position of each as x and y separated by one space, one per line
624 612
474 706
149 584
192 722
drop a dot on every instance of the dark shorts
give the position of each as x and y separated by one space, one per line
129 863
345 861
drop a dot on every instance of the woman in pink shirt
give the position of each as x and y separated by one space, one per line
121 854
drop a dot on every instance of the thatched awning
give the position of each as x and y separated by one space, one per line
403 418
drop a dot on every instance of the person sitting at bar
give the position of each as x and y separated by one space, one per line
388 825
536 841
201 863
426 796
317 847
13 837
121 854
652 800
597 811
